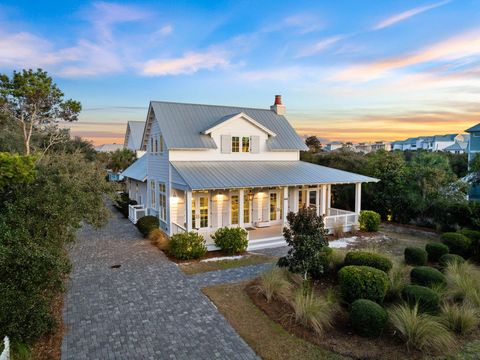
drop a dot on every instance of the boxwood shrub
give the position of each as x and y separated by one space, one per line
369 220
450 258
147 223
474 237
435 251
457 243
368 259
427 299
426 276
362 282
415 256
231 240
368 318
186 246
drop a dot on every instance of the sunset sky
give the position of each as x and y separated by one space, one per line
347 70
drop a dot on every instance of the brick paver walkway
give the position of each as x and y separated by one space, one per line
146 309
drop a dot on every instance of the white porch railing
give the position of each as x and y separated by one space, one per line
135 212
338 216
5 355
177 229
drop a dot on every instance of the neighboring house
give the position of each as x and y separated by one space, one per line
363 147
474 151
109 147
381 145
457 148
211 166
133 136
397 145
430 143
334 145
136 181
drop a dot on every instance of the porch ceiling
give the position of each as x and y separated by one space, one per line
200 175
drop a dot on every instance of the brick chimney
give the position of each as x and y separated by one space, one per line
277 106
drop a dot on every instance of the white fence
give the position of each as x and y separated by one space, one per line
135 212
338 216
5 355
177 229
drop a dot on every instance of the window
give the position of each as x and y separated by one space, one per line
162 201
312 198
203 211
234 209
246 208
153 196
235 144
273 206
245 144
156 145
151 144
193 213
301 199
161 143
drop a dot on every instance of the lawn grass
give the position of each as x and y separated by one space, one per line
267 338
196 267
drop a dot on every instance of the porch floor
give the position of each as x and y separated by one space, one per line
266 232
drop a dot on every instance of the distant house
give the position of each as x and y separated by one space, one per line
431 143
457 148
109 147
209 166
133 136
334 145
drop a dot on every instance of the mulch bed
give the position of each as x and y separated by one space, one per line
340 339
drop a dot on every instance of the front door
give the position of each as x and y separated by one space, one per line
200 211
247 208
274 207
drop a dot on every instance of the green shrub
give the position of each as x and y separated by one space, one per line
122 203
415 256
362 282
369 220
435 251
426 276
450 258
363 258
420 331
427 299
457 244
147 223
474 237
186 246
231 240
368 318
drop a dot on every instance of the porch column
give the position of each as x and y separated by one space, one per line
285 204
318 201
323 189
329 196
295 199
188 209
358 197
241 196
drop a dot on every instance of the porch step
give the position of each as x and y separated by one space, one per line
266 243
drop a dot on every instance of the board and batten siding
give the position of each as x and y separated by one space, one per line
158 170
222 137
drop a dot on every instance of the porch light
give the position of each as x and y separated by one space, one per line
174 198
250 197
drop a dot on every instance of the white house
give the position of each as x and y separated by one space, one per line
334 145
133 136
210 166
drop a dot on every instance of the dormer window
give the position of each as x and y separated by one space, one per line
235 144
245 144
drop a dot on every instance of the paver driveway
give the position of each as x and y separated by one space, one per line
146 309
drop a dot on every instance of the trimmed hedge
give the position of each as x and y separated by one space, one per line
122 203
436 251
474 237
457 243
364 258
369 220
147 223
368 318
426 276
427 299
415 256
231 240
187 246
363 282
450 258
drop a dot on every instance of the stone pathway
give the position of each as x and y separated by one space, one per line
145 309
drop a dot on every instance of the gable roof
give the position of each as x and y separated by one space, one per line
458 146
135 132
198 175
447 137
474 128
138 170
233 117
109 147
183 125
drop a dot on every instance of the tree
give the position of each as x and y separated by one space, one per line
120 159
475 170
306 236
32 100
313 144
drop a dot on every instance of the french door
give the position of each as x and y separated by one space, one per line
200 211
274 206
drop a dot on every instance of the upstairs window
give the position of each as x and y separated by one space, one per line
235 144
161 143
156 146
245 144
151 144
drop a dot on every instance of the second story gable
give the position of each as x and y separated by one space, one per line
190 132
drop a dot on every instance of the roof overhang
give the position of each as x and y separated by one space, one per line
225 120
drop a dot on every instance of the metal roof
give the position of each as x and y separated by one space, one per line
135 132
458 146
182 125
474 128
226 174
138 170
109 147
447 137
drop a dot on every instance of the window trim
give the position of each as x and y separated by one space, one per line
162 201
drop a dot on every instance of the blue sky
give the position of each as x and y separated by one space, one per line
348 70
